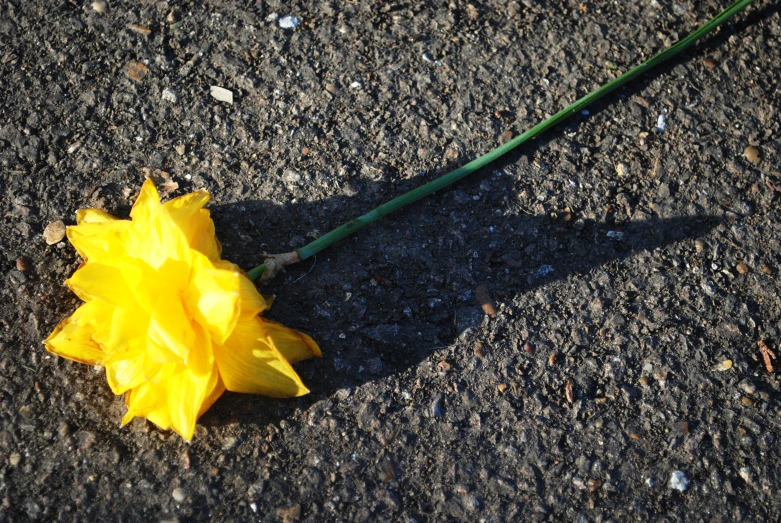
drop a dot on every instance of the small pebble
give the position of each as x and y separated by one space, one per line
54 232
99 7
622 169
724 366
752 154
14 459
21 264
140 29
179 495
679 481
136 70
661 124
435 407
288 22
594 485
746 474
291 176
169 95
748 387
742 268
221 94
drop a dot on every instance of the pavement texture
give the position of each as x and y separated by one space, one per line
576 333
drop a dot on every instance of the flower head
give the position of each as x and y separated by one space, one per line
173 324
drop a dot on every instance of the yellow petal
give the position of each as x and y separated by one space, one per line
170 334
213 297
249 362
154 237
93 216
251 302
73 337
294 346
214 395
126 332
125 371
128 283
127 362
195 222
187 392
176 403
99 241
149 401
150 398
103 282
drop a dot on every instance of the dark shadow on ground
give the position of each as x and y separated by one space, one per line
395 340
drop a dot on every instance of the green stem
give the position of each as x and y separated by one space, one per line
257 272
440 183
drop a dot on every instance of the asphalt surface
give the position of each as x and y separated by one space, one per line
631 257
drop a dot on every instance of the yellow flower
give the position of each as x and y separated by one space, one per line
173 324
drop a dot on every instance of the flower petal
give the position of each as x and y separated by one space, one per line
73 337
154 237
99 241
125 333
175 403
126 371
93 216
104 282
171 334
251 302
149 401
249 362
195 222
214 395
294 346
187 392
212 297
